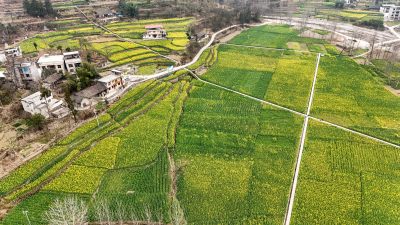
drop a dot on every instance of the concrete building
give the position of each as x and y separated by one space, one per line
52 62
13 52
390 12
27 71
113 83
154 32
72 61
89 96
35 104
105 88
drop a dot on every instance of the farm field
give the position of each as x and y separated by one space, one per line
348 95
230 148
346 179
169 147
107 168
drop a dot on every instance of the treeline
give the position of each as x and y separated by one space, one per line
37 8
128 9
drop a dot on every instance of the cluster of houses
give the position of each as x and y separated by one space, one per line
25 71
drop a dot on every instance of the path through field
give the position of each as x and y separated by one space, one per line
301 147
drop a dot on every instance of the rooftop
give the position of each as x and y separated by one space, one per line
53 78
108 78
91 91
153 26
51 59
71 53
35 97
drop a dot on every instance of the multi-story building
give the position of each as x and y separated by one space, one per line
27 71
13 52
112 82
154 32
35 104
72 61
52 63
390 12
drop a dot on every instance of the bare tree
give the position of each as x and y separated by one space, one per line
372 45
69 211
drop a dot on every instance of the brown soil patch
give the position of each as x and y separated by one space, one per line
393 91
230 36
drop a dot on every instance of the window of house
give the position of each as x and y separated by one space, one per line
70 65
59 66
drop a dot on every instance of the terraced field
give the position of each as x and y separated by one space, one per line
118 52
194 149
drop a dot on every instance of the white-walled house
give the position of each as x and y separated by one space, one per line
28 71
13 52
390 12
52 62
113 83
154 32
72 61
35 104
89 96
105 88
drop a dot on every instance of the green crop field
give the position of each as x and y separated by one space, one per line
346 179
182 146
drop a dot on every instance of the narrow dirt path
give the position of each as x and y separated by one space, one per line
301 147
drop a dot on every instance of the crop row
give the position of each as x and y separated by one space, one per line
144 138
59 163
101 155
21 174
177 114
86 128
77 179
144 102
130 97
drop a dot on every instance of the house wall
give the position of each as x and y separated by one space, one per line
57 66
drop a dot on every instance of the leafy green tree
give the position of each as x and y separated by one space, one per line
86 73
60 48
49 7
70 104
35 45
36 122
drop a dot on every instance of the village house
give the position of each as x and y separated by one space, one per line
390 12
52 62
113 83
35 104
154 32
27 71
72 61
13 52
89 96
105 88
103 13
52 82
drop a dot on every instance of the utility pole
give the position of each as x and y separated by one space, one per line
97 118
